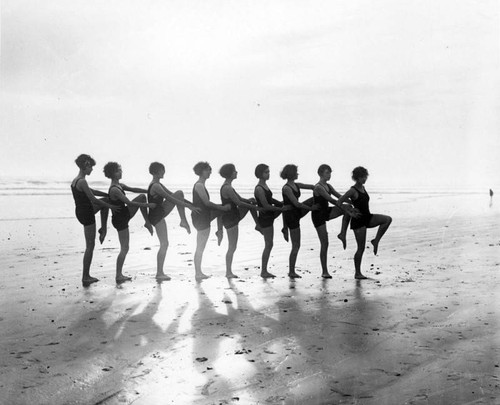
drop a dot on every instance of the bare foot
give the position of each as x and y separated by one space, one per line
284 231
102 234
266 274
231 275
149 227
201 276
374 242
326 275
220 235
186 226
360 277
122 279
294 275
162 277
89 280
343 240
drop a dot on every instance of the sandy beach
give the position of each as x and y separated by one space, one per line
422 330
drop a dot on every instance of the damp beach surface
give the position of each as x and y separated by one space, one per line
422 330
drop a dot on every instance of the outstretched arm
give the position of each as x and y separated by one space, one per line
161 190
289 193
99 193
202 193
117 194
91 196
133 189
261 197
305 186
240 202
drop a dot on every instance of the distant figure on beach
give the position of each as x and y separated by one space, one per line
491 197
271 209
165 201
322 195
239 208
291 194
128 208
208 211
359 197
86 206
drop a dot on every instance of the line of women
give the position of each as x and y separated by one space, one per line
156 202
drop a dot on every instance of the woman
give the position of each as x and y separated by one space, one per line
271 209
239 208
322 195
165 202
208 211
291 194
360 199
86 206
128 208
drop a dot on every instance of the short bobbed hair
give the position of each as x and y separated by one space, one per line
322 168
110 169
227 170
260 169
359 172
289 172
155 167
200 167
84 160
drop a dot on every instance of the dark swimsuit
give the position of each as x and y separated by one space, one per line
322 215
202 220
120 218
266 218
157 213
292 217
362 204
232 217
84 209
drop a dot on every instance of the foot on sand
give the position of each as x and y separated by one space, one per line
89 280
284 231
231 275
162 277
374 242
360 277
266 274
343 240
102 234
186 226
294 275
201 276
219 234
149 227
326 275
122 279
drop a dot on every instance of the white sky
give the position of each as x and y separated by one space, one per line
408 89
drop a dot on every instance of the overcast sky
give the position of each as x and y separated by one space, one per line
408 89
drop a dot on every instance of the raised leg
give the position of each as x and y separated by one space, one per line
383 222
144 211
182 211
104 219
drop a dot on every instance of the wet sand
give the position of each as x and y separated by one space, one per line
422 330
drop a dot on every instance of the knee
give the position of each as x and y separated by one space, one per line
324 245
360 250
269 245
164 245
179 194
141 198
124 249
90 244
389 220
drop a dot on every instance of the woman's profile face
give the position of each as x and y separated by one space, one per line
266 174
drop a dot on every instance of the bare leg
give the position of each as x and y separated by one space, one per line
323 240
89 232
268 240
144 211
124 238
220 230
284 230
104 219
295 237
232 236
383 222
343 231
161 231
360 235
201 242
182 211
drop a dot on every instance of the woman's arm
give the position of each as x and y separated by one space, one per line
261 197
89 193
305 186
164 192
289 193
117 194
349 195
133 189
240 202
99 193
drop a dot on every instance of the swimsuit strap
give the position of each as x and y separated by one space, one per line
76 182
